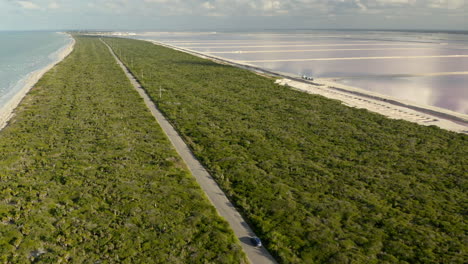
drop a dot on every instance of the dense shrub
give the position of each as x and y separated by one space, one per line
87 176
321 182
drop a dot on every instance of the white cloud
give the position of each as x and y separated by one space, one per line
28 5
305 13
395 2
446 4
208 5
233 8
38 5
271 5
361 5
53 5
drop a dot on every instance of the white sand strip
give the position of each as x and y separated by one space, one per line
379 106
253 42
274 35
7 111
309 50
362 58
308 45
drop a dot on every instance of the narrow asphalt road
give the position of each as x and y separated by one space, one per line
217 197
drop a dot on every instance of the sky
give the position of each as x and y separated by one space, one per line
232 14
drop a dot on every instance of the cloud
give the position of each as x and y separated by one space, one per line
207 5
236 8
447 4
251 13
53 5
156 1
250 7
361 5
37 5
28 5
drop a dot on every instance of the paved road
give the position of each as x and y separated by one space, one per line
217 197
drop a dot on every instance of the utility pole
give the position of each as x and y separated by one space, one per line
160 91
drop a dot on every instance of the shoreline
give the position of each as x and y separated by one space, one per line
354 97
7 111
392 108
428 109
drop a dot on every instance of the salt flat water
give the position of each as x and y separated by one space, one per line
22 53
428 68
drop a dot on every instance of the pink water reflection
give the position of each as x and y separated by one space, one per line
404 77
426 90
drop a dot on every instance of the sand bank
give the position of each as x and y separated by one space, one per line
7 111
384 105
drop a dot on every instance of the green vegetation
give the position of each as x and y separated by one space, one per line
319 181
87 176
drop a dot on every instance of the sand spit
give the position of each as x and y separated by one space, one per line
353 97
7 111
307 50
384 105
306 45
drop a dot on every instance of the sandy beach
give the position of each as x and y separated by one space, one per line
355 97
7 111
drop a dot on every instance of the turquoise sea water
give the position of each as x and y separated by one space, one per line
22 53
